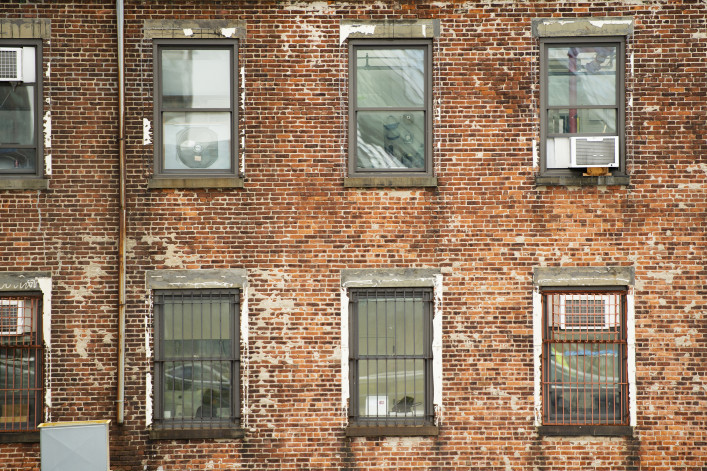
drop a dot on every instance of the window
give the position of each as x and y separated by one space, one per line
20 108
584 357
582 100
21 353
390 363
390 114
197 359
196 108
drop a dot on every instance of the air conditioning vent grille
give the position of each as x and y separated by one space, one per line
594 152
10 63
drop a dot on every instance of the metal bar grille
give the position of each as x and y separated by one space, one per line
584 379
21 353
391 356
197 363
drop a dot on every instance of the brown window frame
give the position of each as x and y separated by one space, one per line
160 45
401 417
620 43
37 141
576 403
20 343
204 426
427 108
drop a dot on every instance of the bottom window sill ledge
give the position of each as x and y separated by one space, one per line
392 431
195 434
585 430
10 183
390 182
19 437
580 180
195 182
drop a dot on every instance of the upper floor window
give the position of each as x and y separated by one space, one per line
197 359
582 106
391 356
196 108
20 108
584 357
390 108
21 359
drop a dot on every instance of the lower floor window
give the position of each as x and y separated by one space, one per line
196 358
584 357
21 354
391 356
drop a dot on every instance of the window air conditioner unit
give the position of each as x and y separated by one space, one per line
10 64
12 317
594 151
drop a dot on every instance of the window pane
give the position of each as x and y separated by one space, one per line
199 328
390 77
196 389
391 388
193 78
390 140
390 326
196 140
17 115
587 121
582 76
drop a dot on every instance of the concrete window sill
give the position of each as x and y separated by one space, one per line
189 434
195 182
585 430
392 430
24 183
19 437
390 182
580 180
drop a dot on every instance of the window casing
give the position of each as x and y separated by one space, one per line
196 108
21 109
584 357
582 97
390 363
390 108
21 362
197 359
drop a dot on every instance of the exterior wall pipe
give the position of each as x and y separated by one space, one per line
120 401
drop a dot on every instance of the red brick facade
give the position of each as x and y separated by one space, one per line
294 225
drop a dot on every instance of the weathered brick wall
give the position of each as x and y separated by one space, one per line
294 226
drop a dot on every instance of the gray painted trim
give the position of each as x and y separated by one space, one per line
583 276
389 29
23 183
22 281
196 279
31 28
194 433
197 182
392 431
585 430
567 27
198 29
574 180
389 277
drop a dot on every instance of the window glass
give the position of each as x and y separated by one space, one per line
194 78
19 146
196 140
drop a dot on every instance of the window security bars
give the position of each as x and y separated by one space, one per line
21 353
584 380
391 356
197 359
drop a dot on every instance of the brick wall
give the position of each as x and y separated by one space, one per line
294 226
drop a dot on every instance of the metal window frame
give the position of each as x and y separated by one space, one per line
160 45
355 294
233 296
18 348
620 43
548 342
424 44
37 141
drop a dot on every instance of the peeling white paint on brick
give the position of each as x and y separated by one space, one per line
146 131
188 32
47 129
245 357
602 23
148 399
45 285
631 354
228 32
345 394
537 352
346 30
48 164
437 371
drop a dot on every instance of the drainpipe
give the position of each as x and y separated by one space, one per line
120 401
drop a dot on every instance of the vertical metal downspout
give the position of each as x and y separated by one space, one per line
122 223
